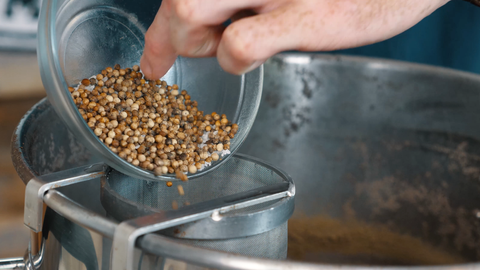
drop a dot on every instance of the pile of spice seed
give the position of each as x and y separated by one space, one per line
151 124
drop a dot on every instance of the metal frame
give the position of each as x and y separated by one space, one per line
170 248
37 188
28 262
127 233
163 246
233 225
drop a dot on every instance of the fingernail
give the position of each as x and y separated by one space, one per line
253 66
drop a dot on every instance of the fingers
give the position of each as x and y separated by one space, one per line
195 25
313 25
159 53
248 42
191 28
194 40
213 12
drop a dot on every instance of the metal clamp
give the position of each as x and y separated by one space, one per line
35 191
127 232
12 264
39 186
28 262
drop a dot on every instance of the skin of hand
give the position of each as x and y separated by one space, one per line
193 28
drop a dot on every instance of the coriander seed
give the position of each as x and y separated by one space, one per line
151 124
180 190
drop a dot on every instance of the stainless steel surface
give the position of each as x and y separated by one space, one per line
79 214
112 32
127 198
382 142
34 261
12 264
127 232
34 244
247 223
28 262
37 187
57 157
153 244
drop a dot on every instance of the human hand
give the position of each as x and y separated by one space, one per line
193 28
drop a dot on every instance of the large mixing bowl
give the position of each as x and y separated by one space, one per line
78 39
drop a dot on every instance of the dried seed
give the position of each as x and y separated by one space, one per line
174 205
180 175
86 82
151 124
192 169
180 190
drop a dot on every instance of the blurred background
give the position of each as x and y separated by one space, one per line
448 38
20 88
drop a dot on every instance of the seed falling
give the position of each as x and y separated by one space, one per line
180 190
151 124
174 205
180 175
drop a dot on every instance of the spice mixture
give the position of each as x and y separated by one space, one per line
151 124
323 239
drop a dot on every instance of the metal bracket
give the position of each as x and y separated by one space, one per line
127 232
27 262
37 188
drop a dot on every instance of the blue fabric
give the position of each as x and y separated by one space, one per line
450 37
